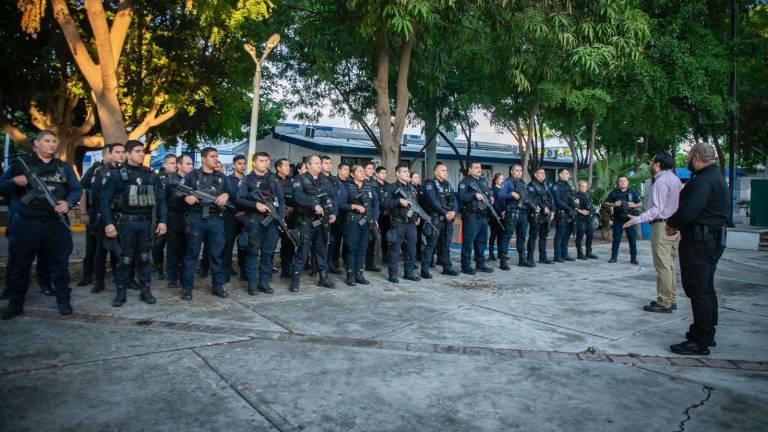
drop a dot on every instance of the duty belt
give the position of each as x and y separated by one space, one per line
658 221
132 218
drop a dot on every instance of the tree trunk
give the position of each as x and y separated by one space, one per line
101 77
572 147
430 134
391 130
591 149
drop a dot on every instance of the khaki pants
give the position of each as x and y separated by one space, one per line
664 250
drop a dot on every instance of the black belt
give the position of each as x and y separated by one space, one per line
133 218
39 219
658 221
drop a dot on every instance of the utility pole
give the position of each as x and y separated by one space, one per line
733 119
271 43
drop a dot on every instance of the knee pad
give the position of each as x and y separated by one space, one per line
126 260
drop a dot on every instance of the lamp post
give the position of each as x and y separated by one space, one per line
271 43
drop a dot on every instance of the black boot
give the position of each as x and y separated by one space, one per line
411 277
13 310
529 260
333 269
483 269
186 294
120 296
84 282
219 291
265 288
580 255
351 278
295 283
252 290
324 281
372 268
65 308
425 274
360 279
450 272
491 256
544 260
146 296
590 255
98 287
503 264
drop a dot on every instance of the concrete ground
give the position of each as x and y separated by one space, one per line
555 348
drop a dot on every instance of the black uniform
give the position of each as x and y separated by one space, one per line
309 192
542 198
516 213
88 183
584 227
440 199
136 198
337 228
287 250
402 232
700 218
159 242
357 226
370 254
565 209
37 230
177 242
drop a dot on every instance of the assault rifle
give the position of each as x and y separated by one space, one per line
416 208
207 200
39 190
486 202
273 214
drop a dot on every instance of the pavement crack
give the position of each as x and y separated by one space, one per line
744 312
542 322
686 413
278 323
410 324
272 416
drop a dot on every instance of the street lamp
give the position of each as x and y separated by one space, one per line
271 43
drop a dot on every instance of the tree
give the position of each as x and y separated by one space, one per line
151 63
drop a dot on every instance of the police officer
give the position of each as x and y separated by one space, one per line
135 193
474 215
625 203
442 206
517 202
565 209
359 208
175 235
539 221
584 227
37 227
234 221
403 224
116 160
420 199
370 253
700 219
204 222
287 250
260 188
159 241
384 219
89 216
340 182
316 210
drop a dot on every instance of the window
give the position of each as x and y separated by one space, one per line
487 171
354 160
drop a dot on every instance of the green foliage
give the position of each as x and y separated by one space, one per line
607 173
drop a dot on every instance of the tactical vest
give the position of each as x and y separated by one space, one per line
317 188
171 183
475 207
361 195
138 195
585 203
262 188
565 192
399 213
287 187
52 174
517 205
626 197
445 194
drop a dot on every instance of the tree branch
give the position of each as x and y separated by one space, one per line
38 119
71 33
92 142
120 26
88 123
152 120
98 19
17 136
